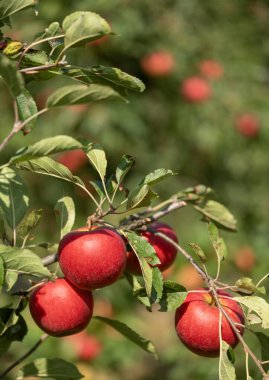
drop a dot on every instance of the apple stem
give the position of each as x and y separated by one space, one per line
23 357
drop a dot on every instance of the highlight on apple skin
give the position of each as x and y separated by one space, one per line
197 322
60 309
92 259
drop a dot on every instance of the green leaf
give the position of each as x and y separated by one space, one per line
47 166
8 318
26 108
258 305
226 368
22 261
52 368
38 58
11 75
157 285
130 334
29 223
10 280
125 164
218 213
52 30
246 285
253 319
65 214
13 199
217 241
83 27
10 7
18 331
97 158
264 342
4 345
141 196
156 177
173 296
118 77
80 94
199 252
2 273
45 147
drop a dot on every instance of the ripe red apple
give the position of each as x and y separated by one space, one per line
165 251
197 322
211 69
195 90
245 259
158 64
87 347
73 159
92 259
59 308
248 125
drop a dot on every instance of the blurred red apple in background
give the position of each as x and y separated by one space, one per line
189 277
195 89
73 159
158 64
245 259
86 347
248 125
211 69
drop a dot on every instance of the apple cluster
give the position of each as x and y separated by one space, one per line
94 258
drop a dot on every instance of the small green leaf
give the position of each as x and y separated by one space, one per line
125 164
11 75
156 177
217 241
10 280
45 147
97 158
118 77
199 252
83 27
264 342
10 7
157 285
80 94
130 334
8 318
52 30
2 273
22 261
26 108
65 214
53 368
13 199
173 296
246 285
141 196
29 222
47 166
218 213
226 368
258 305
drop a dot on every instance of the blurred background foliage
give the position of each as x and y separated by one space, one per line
161 128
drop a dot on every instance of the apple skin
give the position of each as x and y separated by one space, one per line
73 159
165 251
92 259
211 69
195 89
248 125
158 64
197 322
60 309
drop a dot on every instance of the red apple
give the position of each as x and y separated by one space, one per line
92 259
165 251
211 69
158 64
86 346
195 90
60 309
248 125
197 322
73 159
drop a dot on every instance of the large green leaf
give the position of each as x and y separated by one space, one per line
82 27
130 334
13 199
97 157
218 213
55 369
173 296
226 368
80 94
141 196
65 214
26 108
118 77
47 166
11 75
258 305
9 7
22 261
45 147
